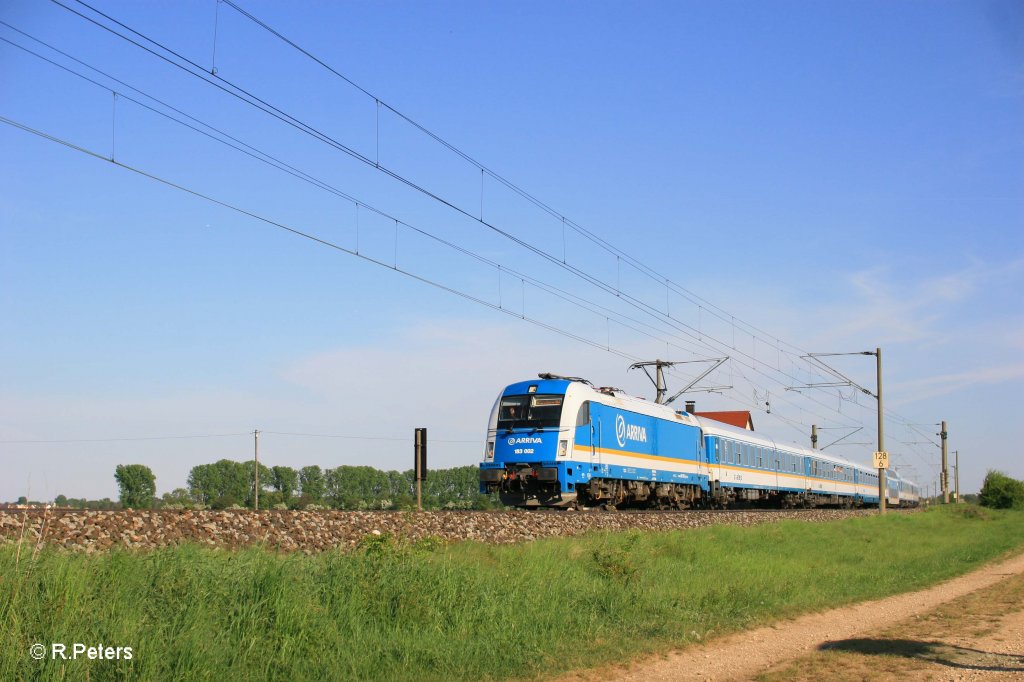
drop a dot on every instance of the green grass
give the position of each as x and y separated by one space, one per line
464 611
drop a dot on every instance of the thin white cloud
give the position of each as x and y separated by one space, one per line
934 386
890 312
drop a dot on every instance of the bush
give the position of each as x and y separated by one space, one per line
1001 492
224 502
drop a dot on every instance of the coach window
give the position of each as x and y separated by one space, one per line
583 416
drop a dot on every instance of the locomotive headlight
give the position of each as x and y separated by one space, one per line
563 448
489 453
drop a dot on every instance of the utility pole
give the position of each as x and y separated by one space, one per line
945 466
881 432
256 457
420 463
956 476
814 436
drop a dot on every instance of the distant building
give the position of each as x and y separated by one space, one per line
738 418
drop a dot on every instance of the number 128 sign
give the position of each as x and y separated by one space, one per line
882 460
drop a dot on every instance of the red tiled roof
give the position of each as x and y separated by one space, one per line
740 418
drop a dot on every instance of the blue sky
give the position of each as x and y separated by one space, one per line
840 175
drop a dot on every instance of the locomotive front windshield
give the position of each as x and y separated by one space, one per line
530 411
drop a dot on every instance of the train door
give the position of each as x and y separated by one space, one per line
587 432
775 458
704 454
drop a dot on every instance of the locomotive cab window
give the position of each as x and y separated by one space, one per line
583 416
534 411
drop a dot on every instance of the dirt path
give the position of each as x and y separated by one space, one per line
979 636
975 633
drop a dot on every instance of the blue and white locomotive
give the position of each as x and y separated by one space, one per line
560 442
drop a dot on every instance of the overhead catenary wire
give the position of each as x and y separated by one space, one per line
300 174
120 439
379 102
246 434
311 237
264 157
251 99
700 336
275 162
299 233
607 246
433 439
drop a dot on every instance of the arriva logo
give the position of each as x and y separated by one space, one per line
526 439
624 432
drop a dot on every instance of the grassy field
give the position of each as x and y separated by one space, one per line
464 611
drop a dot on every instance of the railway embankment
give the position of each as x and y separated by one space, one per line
317 531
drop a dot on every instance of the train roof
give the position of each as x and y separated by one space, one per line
716 428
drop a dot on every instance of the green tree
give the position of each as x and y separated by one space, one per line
284 480
249 469
179 497
312 483
223 479
137 485
60 501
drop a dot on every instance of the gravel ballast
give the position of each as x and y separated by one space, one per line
317 531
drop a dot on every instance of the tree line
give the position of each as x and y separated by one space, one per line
227 484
